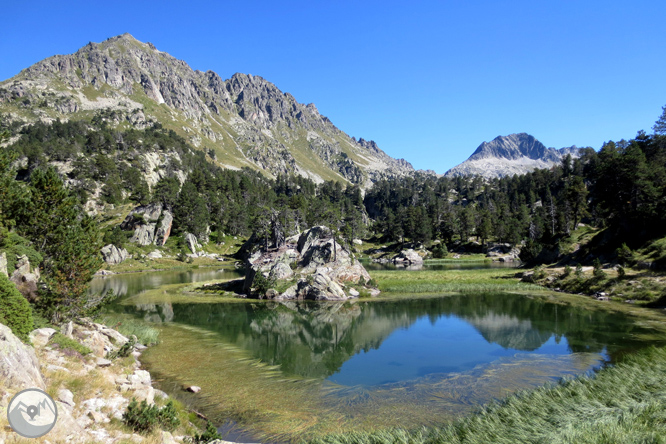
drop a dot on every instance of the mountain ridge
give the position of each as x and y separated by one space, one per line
244 121
517 153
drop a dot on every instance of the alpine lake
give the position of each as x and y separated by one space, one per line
282 371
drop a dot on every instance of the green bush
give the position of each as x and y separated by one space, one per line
145 417
579 271
598 272
15 311
567 272
624 255
207 436
14 245
261 283
440 251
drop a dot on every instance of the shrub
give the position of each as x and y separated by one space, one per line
539 273
621 273
567 272
145 417
15 311
372 283
624 255
261 283
579 271
207 436
598 272
140 417
440 251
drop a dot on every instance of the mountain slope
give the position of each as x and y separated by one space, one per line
244 121
509 155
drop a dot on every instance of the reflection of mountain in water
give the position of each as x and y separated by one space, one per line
314 339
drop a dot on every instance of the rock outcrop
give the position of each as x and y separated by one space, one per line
113 255
26 277
316 265
82 413
19 367
509 155
151 224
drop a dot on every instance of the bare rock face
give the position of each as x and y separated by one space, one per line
164 228
19 367
113 255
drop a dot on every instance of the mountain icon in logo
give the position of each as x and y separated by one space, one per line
32 413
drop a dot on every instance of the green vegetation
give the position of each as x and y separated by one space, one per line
15 311
430 281
624 403
64 343
145 417
127 326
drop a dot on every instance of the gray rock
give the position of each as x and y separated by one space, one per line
407 257
193 389
41 336
3 264
101 362
154 255
164 228
25 278
19 367
192 243
113 255
67 329
66 397
144 234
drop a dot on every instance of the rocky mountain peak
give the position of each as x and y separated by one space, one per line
508 155
245 120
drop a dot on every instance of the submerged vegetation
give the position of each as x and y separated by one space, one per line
625 403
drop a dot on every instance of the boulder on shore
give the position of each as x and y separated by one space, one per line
407 257
113 255
316 264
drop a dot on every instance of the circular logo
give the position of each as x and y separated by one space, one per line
32 413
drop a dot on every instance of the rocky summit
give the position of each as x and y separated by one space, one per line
509 155
244 121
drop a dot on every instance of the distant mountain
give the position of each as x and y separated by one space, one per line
244 121
509 155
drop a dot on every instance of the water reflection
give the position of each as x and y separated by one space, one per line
379 342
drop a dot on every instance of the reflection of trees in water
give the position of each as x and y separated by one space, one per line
315 339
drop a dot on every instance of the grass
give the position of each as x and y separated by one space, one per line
128 326
432 281
621 404
65 343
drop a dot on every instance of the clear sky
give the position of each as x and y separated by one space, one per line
427 80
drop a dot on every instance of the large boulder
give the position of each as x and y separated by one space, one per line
113 255
164 228
19 367
407 257
192 243
26 278
326 268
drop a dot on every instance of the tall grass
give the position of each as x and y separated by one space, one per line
443 281
621 404
127 326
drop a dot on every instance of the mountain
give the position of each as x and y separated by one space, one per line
509 155
244 121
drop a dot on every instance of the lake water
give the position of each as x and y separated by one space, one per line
419 361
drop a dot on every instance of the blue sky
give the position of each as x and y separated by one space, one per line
427 80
